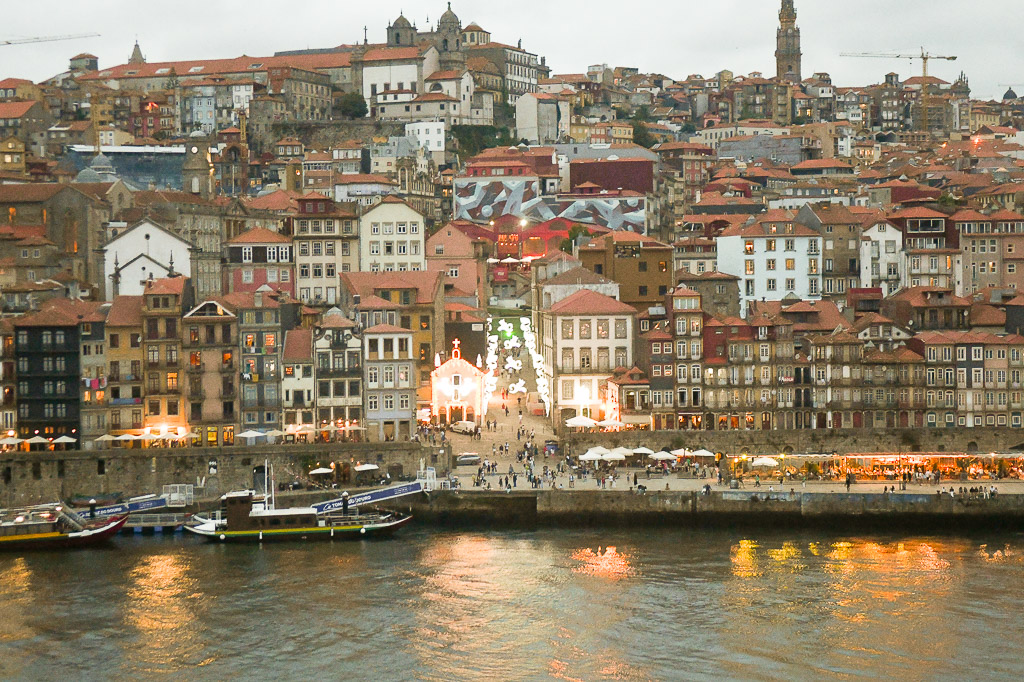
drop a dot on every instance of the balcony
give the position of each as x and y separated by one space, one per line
195 369
228 392
125 401
226 367
196 393
338 372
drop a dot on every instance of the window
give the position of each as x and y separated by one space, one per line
247 275
246 254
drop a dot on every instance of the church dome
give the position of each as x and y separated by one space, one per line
449 17
1010 94
401 22
88 175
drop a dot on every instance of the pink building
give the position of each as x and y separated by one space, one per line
260 257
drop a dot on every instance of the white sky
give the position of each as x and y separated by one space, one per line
672 37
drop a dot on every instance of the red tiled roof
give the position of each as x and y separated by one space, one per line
386 329
125 311
15 109
298 345
166 285
29 192
586 302
260 235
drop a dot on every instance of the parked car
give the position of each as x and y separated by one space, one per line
466 427
468 459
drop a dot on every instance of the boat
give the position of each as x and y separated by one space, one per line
246 516
53 526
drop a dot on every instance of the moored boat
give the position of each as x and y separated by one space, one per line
247 517
53 526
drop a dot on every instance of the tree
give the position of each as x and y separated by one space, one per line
642 136
689 129
352 105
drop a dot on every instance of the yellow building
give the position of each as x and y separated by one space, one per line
12 156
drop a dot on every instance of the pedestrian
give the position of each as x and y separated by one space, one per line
634 478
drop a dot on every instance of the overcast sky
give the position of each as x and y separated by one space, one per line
675 38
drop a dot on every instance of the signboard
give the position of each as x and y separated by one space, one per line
131 507
371 497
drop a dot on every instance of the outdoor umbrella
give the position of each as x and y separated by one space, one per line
643 451
330 427
275 432
250 434
681 452
591 457
580 422
321 471
65 439
599 450
614 457
148 436
625 452
102 439
510 260
610 423
365 467
35 440
492 261
125 436
765 462
702 453
663 457
11 440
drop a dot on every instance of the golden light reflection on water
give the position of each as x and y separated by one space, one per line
15 601
608 563
161 603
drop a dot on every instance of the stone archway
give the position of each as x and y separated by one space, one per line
972 447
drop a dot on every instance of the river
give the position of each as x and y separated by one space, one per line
496 605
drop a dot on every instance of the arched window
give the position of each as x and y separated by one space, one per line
398 39
444 44
195 185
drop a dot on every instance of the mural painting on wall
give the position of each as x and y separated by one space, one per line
483 201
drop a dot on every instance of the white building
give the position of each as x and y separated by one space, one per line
339 373
144 251
542 118
883 262
388 367
773 257
391 237
429 135
298 381
395 74
363 188
583 338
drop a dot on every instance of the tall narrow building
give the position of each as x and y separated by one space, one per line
787 54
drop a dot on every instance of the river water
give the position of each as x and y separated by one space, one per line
495 605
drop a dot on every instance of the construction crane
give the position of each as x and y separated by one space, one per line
47 39
925 57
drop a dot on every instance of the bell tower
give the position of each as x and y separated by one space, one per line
787 53
197 171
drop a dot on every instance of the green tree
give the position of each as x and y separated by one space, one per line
352 105
689 129
641 135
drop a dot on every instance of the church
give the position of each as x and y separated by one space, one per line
787 53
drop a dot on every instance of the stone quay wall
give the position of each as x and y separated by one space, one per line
745 509
842 441
38 477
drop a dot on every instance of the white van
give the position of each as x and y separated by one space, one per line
466 427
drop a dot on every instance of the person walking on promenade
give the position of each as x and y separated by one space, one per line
634 478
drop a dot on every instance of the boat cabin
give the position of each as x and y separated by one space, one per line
244 511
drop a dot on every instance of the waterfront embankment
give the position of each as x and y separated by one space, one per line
740 508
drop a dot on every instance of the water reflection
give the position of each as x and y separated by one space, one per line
15 600
162 601
608 564
552 604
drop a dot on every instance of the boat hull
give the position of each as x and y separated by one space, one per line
88 537
312 533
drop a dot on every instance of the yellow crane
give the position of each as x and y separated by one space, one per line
47 39
925 57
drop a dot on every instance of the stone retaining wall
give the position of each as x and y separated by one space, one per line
38 477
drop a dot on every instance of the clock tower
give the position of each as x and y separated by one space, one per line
197 171
787 53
